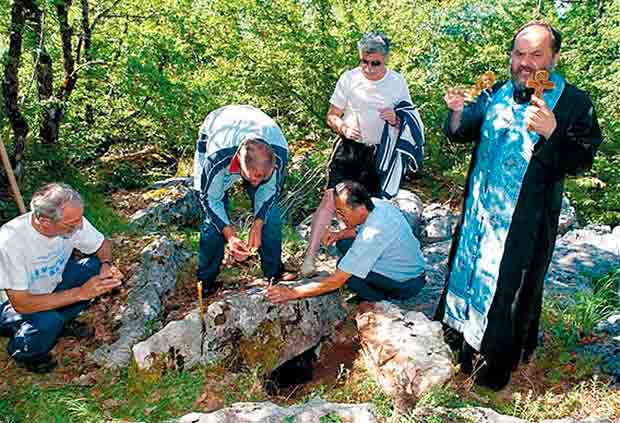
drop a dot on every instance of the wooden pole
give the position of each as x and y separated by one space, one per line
11 176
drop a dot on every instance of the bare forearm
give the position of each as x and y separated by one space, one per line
25 302
335 122
104 253
328 284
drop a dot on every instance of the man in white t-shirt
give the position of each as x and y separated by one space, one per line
362 103
46 287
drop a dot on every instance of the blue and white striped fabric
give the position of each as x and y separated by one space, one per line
400 151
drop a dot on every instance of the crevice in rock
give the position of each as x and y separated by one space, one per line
296 371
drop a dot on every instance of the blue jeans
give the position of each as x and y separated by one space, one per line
211 253
377 287
34 334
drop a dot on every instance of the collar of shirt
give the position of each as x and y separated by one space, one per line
235 164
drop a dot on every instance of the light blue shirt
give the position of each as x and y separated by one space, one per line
384 244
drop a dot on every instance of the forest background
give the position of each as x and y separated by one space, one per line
109 94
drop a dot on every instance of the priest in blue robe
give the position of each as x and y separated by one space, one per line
524 147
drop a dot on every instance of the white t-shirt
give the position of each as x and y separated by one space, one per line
361 99
34 262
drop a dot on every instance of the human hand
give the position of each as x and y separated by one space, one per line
108 270
97 286
350 133
455 99
389 115
280 294
255 236
236 248
539 118
330 237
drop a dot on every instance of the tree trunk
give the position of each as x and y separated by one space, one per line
10 86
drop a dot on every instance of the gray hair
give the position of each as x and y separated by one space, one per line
257 154
374 42
49 201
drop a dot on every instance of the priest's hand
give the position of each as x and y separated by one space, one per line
455 99
539 118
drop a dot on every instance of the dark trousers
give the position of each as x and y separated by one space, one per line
212 243
32 335
377 287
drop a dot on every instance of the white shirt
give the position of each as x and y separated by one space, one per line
31 261
361 99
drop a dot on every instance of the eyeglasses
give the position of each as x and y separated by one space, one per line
373 63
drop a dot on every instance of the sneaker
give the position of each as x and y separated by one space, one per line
76 329
308 268
41 365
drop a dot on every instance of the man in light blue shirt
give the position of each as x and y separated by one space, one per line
382 258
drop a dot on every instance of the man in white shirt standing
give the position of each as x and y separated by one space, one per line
46 287
362 107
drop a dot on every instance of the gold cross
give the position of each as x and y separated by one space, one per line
484 82
540 83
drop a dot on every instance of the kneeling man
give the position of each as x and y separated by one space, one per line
46 287
382 258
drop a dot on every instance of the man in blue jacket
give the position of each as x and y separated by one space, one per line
239 142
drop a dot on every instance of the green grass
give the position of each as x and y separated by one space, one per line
120 397
567 323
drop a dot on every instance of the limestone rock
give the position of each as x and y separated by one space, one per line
404 351
568 217
469 415
438 223
247 326
609 326
411 207
580 256
179 205
162 259
315 410
436 256
185 181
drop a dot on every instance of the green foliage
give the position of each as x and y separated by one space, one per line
568 323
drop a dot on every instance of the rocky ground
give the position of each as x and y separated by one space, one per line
155 320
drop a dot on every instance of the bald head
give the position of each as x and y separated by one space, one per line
539 29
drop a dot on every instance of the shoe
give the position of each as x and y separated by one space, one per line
76 329
41 365
494 378
308 268
211 288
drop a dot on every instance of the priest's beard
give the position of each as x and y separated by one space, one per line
522 94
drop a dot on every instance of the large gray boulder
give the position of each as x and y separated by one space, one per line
568 217
436 255
247 326
411 207
580 256
315 410
438 223
178 205
162 260
403 351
